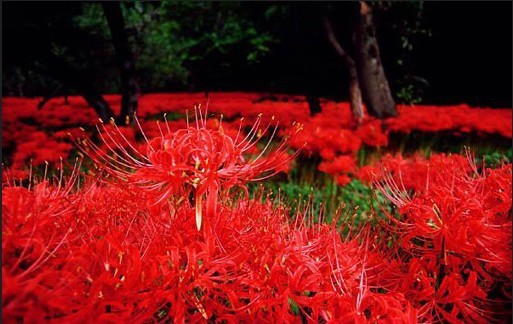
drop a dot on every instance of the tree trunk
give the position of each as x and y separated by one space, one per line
314 104
61 70
355 96
373 82
129 86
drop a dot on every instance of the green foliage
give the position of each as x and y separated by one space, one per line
168 37
494 159
294 307
409 94
93 19
357 194
305 185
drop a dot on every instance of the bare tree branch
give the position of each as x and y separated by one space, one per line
333 40
355 95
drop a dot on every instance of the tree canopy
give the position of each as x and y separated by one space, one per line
275 47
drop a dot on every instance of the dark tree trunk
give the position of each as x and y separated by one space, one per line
314 104
58 68
129 86
355 96
373 82
60 90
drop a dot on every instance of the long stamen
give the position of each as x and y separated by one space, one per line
198 201
143 134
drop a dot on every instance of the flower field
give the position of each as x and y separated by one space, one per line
248 209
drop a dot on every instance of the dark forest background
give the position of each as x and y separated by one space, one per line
432 52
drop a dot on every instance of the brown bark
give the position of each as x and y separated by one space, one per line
129 86
371 75
355 96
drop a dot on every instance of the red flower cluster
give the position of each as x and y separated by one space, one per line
125 246
415 172
340 166
460 118
453 237
330 134
38 148
195 160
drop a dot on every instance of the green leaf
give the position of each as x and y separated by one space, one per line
293 306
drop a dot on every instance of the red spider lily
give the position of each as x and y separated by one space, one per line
330 133
130 250
371 133
37 226
40 148
340 166
124 260
195 159
454 245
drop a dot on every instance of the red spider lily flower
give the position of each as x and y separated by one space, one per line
454 234
340 167
371 133
195 159
37 227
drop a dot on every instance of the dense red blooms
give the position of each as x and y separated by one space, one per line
340 166
456 118
328 134
195 160
456 246
371 133
124 246
39 148
103 253
414 173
